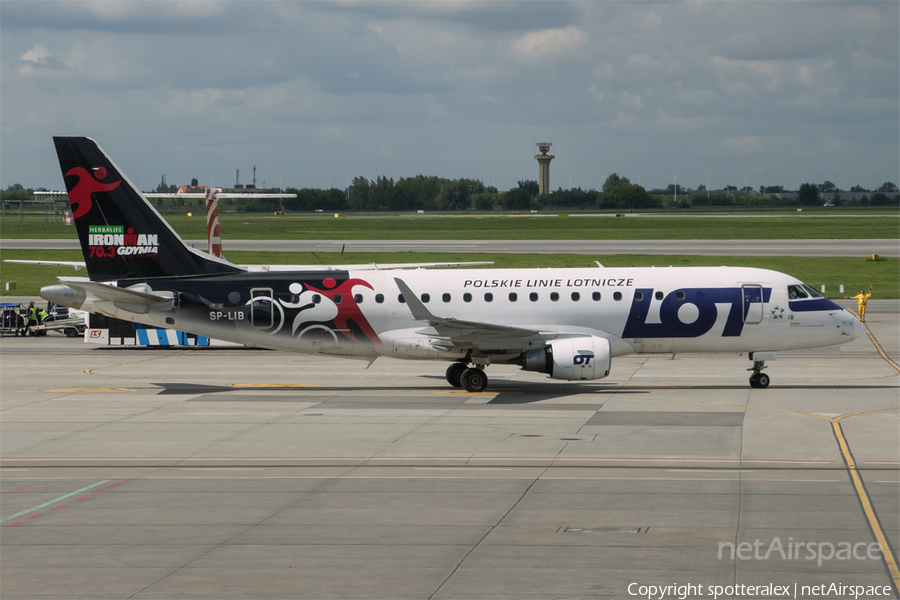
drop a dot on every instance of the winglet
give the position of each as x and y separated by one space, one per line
419 312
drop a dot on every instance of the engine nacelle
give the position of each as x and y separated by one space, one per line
571 358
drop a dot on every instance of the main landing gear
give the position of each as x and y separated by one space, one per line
758 379
473 379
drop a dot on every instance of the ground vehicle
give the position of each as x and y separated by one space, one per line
12 318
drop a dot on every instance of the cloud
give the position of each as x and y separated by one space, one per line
311 90
549 46
37 58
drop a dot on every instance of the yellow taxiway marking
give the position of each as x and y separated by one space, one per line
465 393
861 491
275 385
91 390
880 349
863 494
875 342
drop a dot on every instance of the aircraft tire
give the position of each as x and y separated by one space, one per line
454 374
474 380
759 381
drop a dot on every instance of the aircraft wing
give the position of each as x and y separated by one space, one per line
459 333
53 263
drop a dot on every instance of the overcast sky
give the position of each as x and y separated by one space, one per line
313 93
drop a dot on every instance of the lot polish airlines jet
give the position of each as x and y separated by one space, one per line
567 323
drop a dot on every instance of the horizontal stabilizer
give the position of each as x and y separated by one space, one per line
52 263
137 298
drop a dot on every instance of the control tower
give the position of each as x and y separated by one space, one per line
544 157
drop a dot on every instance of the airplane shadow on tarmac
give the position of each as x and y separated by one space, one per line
507 392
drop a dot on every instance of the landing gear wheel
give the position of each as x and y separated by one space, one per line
454 374
474 380
759 380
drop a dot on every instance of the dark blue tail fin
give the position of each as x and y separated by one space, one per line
122 236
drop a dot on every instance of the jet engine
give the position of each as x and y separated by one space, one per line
571 358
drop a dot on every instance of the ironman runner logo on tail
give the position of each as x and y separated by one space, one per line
106 241
80 196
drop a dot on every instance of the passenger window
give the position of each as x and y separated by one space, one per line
533 296
637 296
659 295
576 296
379 298
513 296
467 297
357 298
426 298
401 299
618 296
596 296
796 292
488 297
316 298
554 296
679 296
338 298
445 297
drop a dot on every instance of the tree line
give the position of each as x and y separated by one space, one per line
432 193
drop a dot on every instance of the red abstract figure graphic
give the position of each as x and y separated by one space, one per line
348 309
80 195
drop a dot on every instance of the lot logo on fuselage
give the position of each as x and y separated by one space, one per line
105 241
691 312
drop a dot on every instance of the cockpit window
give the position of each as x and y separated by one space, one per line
796 292
812 293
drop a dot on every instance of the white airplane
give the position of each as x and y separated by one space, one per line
567 323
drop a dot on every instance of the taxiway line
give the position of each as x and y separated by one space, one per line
55 500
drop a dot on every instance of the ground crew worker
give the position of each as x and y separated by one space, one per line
862 297
36 315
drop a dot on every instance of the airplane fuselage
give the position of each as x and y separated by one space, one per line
639 310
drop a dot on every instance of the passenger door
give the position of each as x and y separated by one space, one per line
753 303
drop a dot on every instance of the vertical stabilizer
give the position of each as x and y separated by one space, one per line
121 234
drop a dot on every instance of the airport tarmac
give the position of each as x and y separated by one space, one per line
243 473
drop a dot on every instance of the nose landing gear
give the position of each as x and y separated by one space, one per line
758 379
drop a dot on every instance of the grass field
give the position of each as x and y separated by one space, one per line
810 224
852 273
